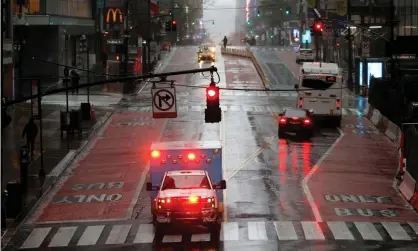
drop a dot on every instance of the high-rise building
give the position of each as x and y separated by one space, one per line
407 14
240 16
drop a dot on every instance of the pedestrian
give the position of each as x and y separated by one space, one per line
30 131
75 80
225 41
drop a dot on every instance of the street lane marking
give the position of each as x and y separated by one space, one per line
62 237
230 231
340 230
200 237
257 231
396 231
222 137
172 238
285 230
145 234
118 234
91 235
36 237
305 186
312 230
414 227
368 231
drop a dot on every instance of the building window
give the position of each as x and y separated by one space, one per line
31 7
70 8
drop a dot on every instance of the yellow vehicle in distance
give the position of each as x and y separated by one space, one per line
206 53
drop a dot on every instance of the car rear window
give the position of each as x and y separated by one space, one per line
295 113
305 51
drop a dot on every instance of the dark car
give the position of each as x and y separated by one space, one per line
297 121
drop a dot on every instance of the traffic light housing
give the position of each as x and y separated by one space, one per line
167 26
318 26
174 25
213 112
5 118
287 11
258 12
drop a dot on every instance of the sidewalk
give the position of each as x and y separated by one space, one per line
55 149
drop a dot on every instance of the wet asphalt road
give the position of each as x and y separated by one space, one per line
263 173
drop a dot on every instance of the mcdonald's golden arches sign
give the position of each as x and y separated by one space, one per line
113 16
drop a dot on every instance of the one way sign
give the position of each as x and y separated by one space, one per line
164 102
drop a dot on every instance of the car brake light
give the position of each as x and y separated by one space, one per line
307 121
193 199
155 154
191 156
283 121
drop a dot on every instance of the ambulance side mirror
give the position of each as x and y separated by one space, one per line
150 187
221 185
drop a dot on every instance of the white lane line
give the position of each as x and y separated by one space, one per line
396 231
257 231
62 237
36 237
368 231
172 238
230 231
340 230
145 234
305 186
285 230
200 237
91 235
312 230
118 234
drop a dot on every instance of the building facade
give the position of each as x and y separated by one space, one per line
50 30
7 53
406 11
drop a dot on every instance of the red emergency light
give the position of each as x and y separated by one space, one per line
193 199
191 156
155 154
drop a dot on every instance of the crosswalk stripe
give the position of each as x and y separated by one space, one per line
145 234
312 231
257 231
368 231
118 234
91 235
230 231
396 231
234 108
285 230
172 238
414 227
62 237
200 237
344 112
340 230
36 237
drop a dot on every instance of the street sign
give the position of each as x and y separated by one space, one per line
366 48
164 102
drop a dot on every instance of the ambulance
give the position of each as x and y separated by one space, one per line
186 184
320 90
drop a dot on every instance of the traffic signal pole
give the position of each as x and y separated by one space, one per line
126 39
317 45
350 51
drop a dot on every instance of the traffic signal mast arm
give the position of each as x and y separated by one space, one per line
158 75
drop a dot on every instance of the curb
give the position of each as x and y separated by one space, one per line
247 53
408 187
52 178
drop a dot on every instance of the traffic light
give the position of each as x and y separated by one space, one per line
318 26
287 11
170 13
213 112
174 25
258 12
168 26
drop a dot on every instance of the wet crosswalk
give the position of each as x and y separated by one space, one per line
102 234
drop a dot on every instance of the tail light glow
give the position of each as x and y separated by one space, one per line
283 120
306 121
191 156
295 118
193 199
155 154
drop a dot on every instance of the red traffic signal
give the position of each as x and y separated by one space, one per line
212 92
318 26
174 22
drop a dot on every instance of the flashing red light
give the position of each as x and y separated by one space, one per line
307 121
193 199
155 154
191 156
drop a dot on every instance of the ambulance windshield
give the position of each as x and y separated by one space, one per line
186 182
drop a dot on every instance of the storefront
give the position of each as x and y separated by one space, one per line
7 69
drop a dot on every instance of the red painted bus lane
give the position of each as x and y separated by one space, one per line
104 185
354 182
241 73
